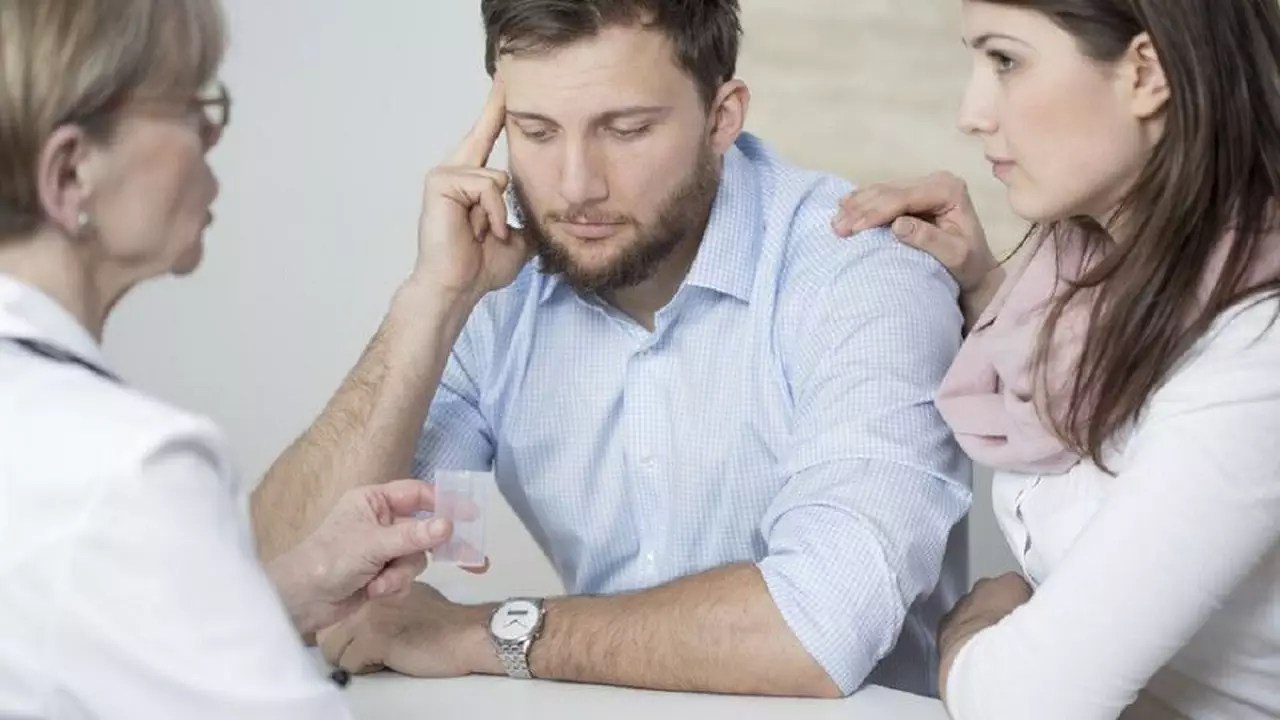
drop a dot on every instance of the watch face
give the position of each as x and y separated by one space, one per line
515 620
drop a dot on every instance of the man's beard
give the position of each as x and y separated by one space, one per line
682 218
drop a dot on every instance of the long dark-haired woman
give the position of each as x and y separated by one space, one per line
1124 379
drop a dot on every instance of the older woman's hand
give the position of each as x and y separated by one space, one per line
370 545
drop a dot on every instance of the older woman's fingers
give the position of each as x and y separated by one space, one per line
398 575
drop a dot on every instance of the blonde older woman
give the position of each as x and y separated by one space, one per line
131 584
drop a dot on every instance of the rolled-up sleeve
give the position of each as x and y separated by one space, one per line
456 435
875 481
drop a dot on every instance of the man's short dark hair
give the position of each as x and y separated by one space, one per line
705 33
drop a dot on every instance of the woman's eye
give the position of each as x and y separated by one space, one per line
1003 62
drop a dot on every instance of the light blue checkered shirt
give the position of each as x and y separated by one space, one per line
780 414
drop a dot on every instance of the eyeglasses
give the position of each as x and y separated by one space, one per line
214 105
210 107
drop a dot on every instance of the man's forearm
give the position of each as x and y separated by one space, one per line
718 632
367 432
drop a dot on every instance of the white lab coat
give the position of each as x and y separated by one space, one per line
129 583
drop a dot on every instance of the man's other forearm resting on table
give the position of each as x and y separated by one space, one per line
718 631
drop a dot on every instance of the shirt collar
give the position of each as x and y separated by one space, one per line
726 261
28 313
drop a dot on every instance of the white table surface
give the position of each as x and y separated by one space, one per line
387 696
390 696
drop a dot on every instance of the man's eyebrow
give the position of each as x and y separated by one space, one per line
631 112
603 118
535 117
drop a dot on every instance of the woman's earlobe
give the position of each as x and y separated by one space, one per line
61 179
1150 84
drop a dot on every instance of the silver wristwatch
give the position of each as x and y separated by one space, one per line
513 627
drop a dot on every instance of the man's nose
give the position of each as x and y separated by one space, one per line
583 177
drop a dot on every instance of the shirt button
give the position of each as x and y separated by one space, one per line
646 461
650 558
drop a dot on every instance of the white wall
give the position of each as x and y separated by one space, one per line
340 107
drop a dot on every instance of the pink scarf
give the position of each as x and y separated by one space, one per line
988 396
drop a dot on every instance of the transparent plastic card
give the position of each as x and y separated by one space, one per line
462 498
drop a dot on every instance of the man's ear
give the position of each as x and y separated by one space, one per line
63 178
1144 78
729 115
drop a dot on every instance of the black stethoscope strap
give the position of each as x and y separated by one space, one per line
54 353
